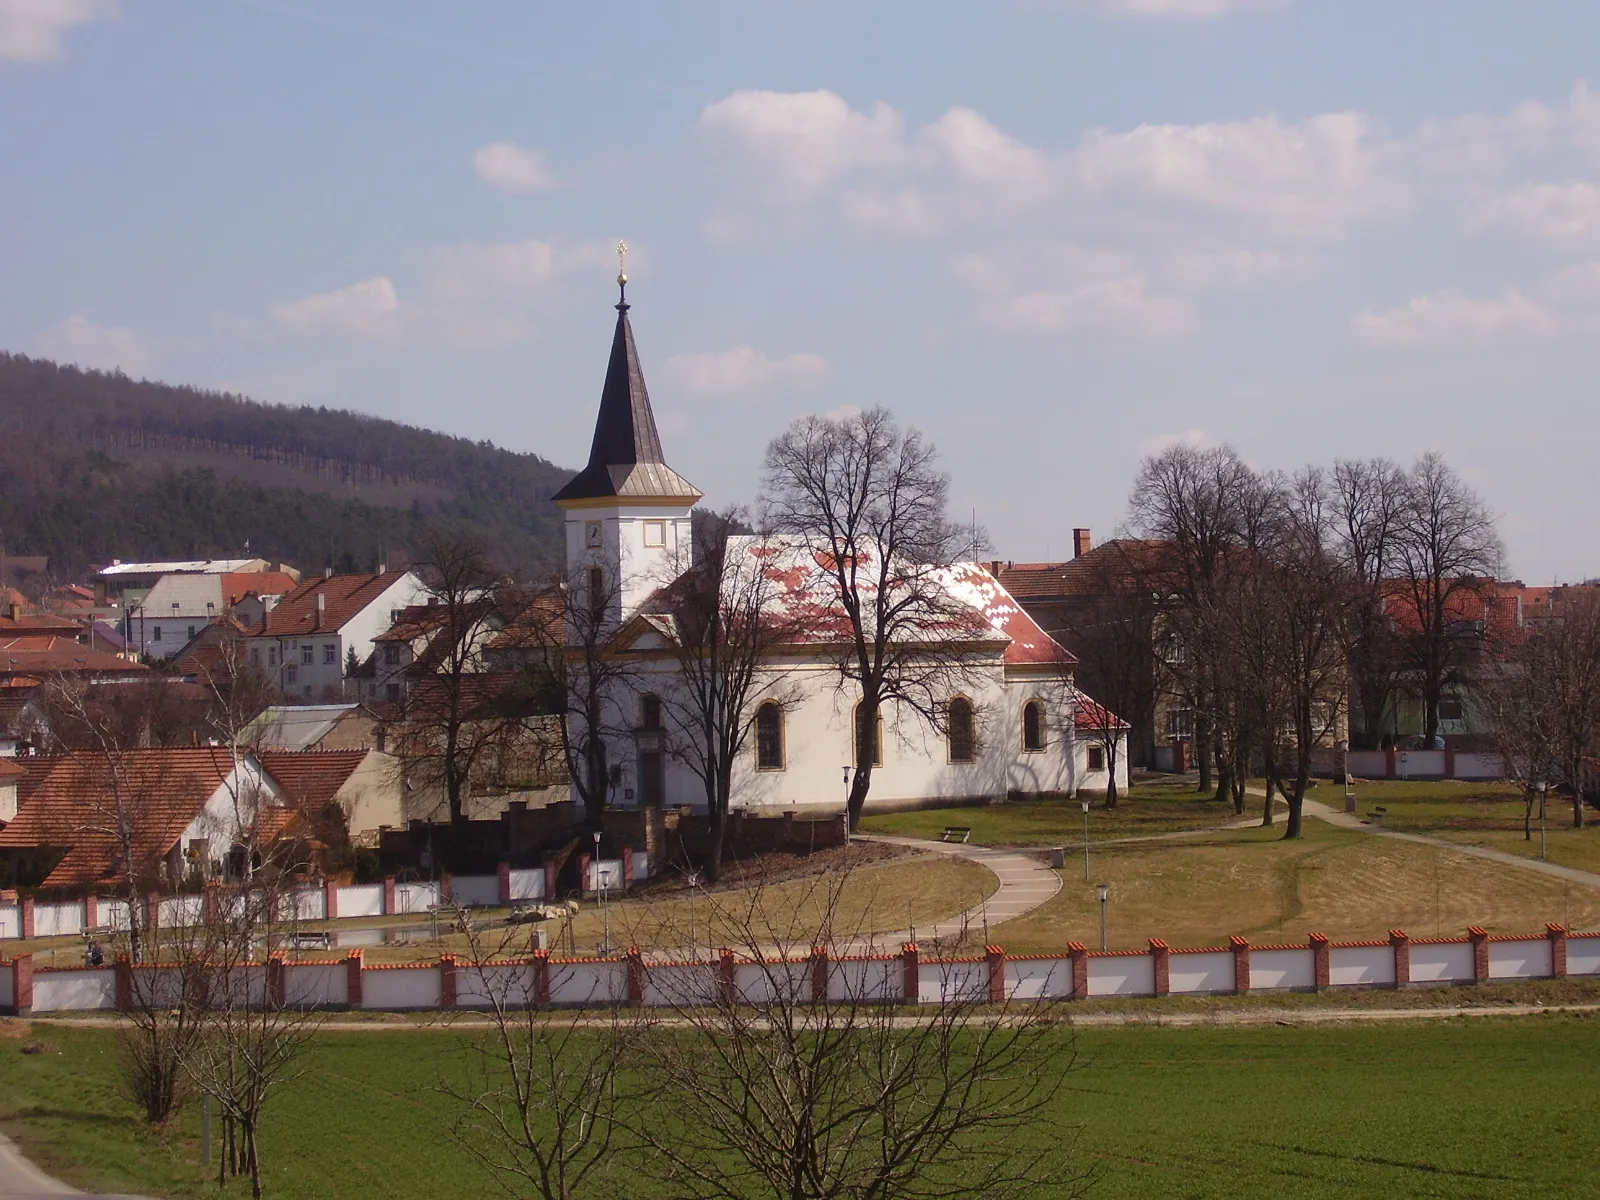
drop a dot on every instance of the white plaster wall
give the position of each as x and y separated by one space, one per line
1368 764
1122 975
1583 954
642 569
58 920
1282 969
1211 971
1369 966
527 884
937 981
307 904
1411 763
400 987
180 912
681 983
74 991
483 987
247 789
317 985
868 979
415 897
10 920
1479 766
1526 958
760 983
475 891
606 873
588 983
372 795
1441 963
1039 979
361 900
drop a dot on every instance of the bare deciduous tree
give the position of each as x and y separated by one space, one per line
869 501
1367 505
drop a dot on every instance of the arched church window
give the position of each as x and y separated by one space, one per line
961 733
1033 725
769 737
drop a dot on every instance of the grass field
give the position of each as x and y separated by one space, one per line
1469 1108
1344 883
1151 808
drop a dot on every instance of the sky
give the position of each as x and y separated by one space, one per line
1057 235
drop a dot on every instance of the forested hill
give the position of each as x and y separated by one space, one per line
95 466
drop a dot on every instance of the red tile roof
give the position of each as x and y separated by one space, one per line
312 778
9 770
344 596
1090 716
42 656
1029 644
68 802
27 624
236 585
1084 576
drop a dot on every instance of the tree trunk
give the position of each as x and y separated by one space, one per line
719 828
1111 773
1578 819
857 800
1202 752
1527 814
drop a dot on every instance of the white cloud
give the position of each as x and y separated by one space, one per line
369 309
1449 317
1231 266
1062 289
103 347
32 30
743 369
1552 212
514 169
1183 10
790 145
1196 439
1310 177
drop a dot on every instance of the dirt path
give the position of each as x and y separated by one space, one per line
21 1180
1025 884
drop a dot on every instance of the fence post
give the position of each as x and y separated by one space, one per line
819 974
1241 964
550 881
122 983
910 973
541 977
1400 943
22 984
352 978
1558 950
152 911
1078 956
388 896
209 902
330 903
1319 961
91 911
447 981
727 978
1479 937
627 867
1161 964
1389 763
635 961
503 871
25 904
995 959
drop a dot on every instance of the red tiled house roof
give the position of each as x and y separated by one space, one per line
236 585
68 802
312 778
343 596
1085 576
1090 716
43 656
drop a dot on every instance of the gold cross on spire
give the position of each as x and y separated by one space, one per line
622 262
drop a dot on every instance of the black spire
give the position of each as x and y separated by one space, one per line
625 459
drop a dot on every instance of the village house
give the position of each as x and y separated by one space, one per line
304 642
1010 718
182 605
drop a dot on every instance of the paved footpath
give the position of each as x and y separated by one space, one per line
1025 884
21 1180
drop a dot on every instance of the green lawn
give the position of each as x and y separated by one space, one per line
1476 814
1468 1108
1150 808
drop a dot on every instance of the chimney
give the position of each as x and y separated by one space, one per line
322 609
327 571
383 568
1081 542
994 568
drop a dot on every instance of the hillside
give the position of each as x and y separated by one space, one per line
96 465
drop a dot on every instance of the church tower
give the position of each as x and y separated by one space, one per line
627 512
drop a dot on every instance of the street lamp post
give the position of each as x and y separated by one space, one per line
694 937
1105 894
847 803
1543 792
600 883
1086 841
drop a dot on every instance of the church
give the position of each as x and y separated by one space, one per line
1013 725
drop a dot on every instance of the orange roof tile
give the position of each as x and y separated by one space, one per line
344 596
312 778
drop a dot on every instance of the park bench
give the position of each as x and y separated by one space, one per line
309 940
956 833
1377 815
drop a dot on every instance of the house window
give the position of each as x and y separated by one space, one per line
655 534
1450 708
769 737
155 633
192 632
391 692
330 654
961 735
650 712
1180 724
391 654
272 656
291 673
869 737
308 654
1097 758
255 656
1033 725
